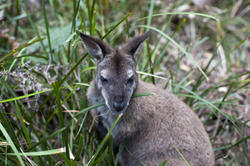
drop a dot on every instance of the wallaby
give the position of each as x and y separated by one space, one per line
153 128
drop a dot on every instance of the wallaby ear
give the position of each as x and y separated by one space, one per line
133 46
95 47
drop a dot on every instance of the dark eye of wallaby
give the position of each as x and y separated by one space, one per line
104 80
130 80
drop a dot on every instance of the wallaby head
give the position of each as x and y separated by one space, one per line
116 76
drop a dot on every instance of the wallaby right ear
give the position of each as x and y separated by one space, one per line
95 47
133 46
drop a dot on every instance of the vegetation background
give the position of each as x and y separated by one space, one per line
198 52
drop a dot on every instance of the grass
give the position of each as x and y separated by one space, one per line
199 55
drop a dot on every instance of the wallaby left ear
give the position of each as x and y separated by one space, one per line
95 47
133 46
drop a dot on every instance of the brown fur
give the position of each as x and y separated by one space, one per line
157 125
153 128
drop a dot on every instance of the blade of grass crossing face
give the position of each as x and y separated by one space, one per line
100 147
12 145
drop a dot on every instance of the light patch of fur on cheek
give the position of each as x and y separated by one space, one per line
105 96
130 73
131 93
104 73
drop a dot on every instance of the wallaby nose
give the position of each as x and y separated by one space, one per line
118 104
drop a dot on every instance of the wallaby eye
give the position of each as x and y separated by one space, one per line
103 80
130 81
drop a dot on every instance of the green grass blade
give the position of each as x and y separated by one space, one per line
141 94
180 13
40 153
24 129
12 145
47 138
164 163
152 75
177 45
233 145
47 29
150 12
197 97
115 26
34 27
89 108
25 96
178 151
20 48
57 90
99 148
